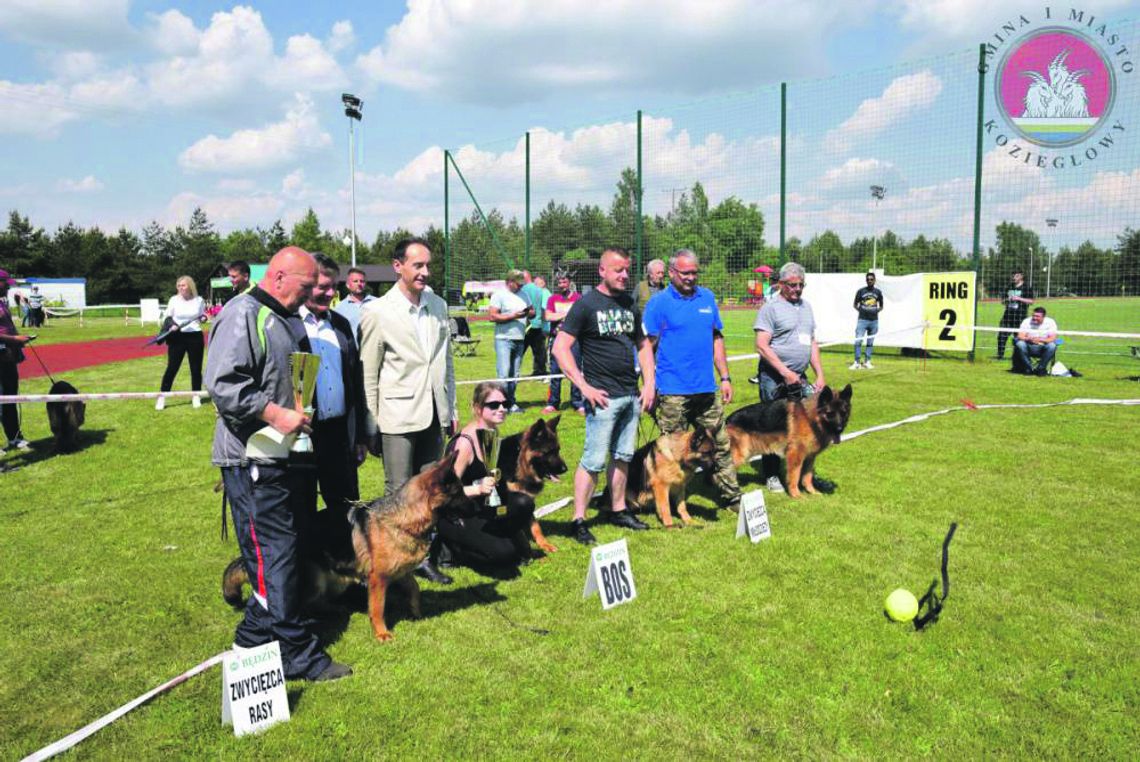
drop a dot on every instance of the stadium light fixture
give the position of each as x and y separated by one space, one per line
1052 223
878 192
354 110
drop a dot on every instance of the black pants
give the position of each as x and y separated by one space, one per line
10 384
535 341
478 541
1007 321
179 345
269 516
334 472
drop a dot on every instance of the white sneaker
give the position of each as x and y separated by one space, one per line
196 401
773 484
868 366
19 443
854 366
160 403
515 409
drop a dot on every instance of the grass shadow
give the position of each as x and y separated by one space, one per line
43 449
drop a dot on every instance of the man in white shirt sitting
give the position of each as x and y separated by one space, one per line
1037 337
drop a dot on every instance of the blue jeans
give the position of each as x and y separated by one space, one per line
508 363
554 398
1044 353
611 431
862 328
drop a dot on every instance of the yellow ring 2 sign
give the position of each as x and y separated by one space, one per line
948 310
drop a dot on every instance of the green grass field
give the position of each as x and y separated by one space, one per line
113 562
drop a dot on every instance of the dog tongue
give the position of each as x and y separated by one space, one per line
553 478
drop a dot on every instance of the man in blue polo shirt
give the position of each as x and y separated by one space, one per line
684 324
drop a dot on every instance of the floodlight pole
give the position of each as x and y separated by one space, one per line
1052 223
353 108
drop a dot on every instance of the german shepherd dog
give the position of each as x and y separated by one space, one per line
390 537
660 472
527 460
797 429
65 418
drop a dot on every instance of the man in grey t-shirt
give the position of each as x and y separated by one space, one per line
785 339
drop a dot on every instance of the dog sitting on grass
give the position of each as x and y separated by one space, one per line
390 537
65 418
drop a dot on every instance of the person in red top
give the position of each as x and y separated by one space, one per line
11 355
556 308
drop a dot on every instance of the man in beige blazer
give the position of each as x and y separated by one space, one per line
409 380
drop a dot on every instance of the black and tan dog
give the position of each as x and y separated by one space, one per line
390 537
527 461
660 472
797 429
65 418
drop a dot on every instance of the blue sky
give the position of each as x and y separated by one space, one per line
116 113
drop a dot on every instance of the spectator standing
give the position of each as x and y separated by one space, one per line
535 294
868 303
339 425
239 277
607 325
35 302
1036 337
357 285
188 311
409 379
557 306
510 313
1018 297
250 381
785 339
11 355
653 284
684 325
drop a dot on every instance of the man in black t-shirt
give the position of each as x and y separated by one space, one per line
1017 299
607 327
869 303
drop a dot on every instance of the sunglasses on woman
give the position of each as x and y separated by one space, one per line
495 404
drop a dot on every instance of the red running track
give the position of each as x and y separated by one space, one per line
60 358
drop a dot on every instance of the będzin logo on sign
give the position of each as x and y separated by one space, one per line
1055 83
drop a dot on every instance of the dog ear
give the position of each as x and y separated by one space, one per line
446 466
826 395
846 393
552 424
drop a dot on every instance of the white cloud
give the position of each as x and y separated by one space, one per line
251 150
475 50
293 185
74 64
88 184
227 212
306 65
342 37
173 33
37 109
235 184
903 97
68 23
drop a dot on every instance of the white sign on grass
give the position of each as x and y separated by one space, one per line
253 689
610 575
753 520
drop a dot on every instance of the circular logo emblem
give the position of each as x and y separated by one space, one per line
1055 87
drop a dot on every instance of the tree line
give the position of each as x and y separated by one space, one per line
728 237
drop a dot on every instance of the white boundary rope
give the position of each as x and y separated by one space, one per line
86 731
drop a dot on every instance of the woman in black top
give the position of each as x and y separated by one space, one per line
479 535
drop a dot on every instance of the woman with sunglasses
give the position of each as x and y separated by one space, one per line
480 535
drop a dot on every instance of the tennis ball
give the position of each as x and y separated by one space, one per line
901 605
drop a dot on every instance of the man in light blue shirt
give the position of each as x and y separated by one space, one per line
536 294
510 314
358 296
684 324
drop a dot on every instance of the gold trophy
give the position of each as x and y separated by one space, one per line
489 441
305 366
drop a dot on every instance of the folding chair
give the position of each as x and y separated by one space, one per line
461 342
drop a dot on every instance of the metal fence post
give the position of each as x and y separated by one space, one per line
783 164
640 193
978 188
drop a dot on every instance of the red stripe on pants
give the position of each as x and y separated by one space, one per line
260 562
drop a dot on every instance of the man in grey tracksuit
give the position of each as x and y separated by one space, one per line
250 382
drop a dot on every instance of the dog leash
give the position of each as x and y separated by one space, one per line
40 361
931 603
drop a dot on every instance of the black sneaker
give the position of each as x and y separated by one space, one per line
334 671
582 534
427 571
627 520
733 505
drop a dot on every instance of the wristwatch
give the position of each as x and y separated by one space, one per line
725 378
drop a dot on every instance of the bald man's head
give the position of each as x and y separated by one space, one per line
614 270
290 277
